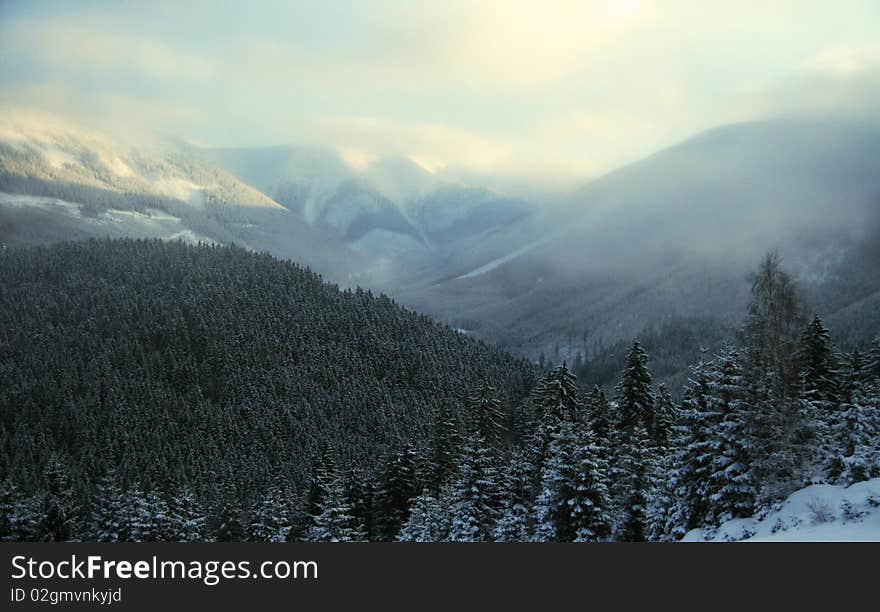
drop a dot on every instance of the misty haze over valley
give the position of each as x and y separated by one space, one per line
302 287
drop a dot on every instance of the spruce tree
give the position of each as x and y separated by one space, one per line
665 417
361 500
444 448
187 519
107 512
856 435
872 365
635 398
637 472
572 504
269 520
488 417
475 494
731 488
56 519
429 519
514 520
692 461
334 522
557 393
229 521
819 366
398 489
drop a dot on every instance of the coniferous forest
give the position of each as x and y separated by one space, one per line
155 391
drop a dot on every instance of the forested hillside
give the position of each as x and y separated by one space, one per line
158 391
161 367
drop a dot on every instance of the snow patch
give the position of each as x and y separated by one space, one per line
818 513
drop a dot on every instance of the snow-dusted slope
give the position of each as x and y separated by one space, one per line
38 149
818 513
72 220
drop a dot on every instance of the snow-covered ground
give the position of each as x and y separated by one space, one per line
818 513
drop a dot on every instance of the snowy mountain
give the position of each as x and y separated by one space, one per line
392 209
818 513
40 149
60 181
673 237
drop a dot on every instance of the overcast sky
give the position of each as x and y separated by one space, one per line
548 92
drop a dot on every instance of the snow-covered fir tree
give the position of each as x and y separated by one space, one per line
634 396
269 519
572 504
429 518
398 488
487 415
360 494
557 392
187 518
475 494
514 520
731 487
856 437
692 460
229 522
106 515
335 522
444 448
819 367
636 481
56 518
665 417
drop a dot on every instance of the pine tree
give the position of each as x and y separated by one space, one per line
665 417
269 520
475 496
637 472
635 399
557 393
731 487
335 522
56 518
872 365
488 416
856 435
514 520
323 472
399 487
187 519
693 454
143 516
818 362
229 526
572 505
15 515
855 376
361 500
107 511
444 449
428 520
634 461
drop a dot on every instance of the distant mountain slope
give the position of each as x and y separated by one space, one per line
674 236
214 366
392 209
43 150
59 181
